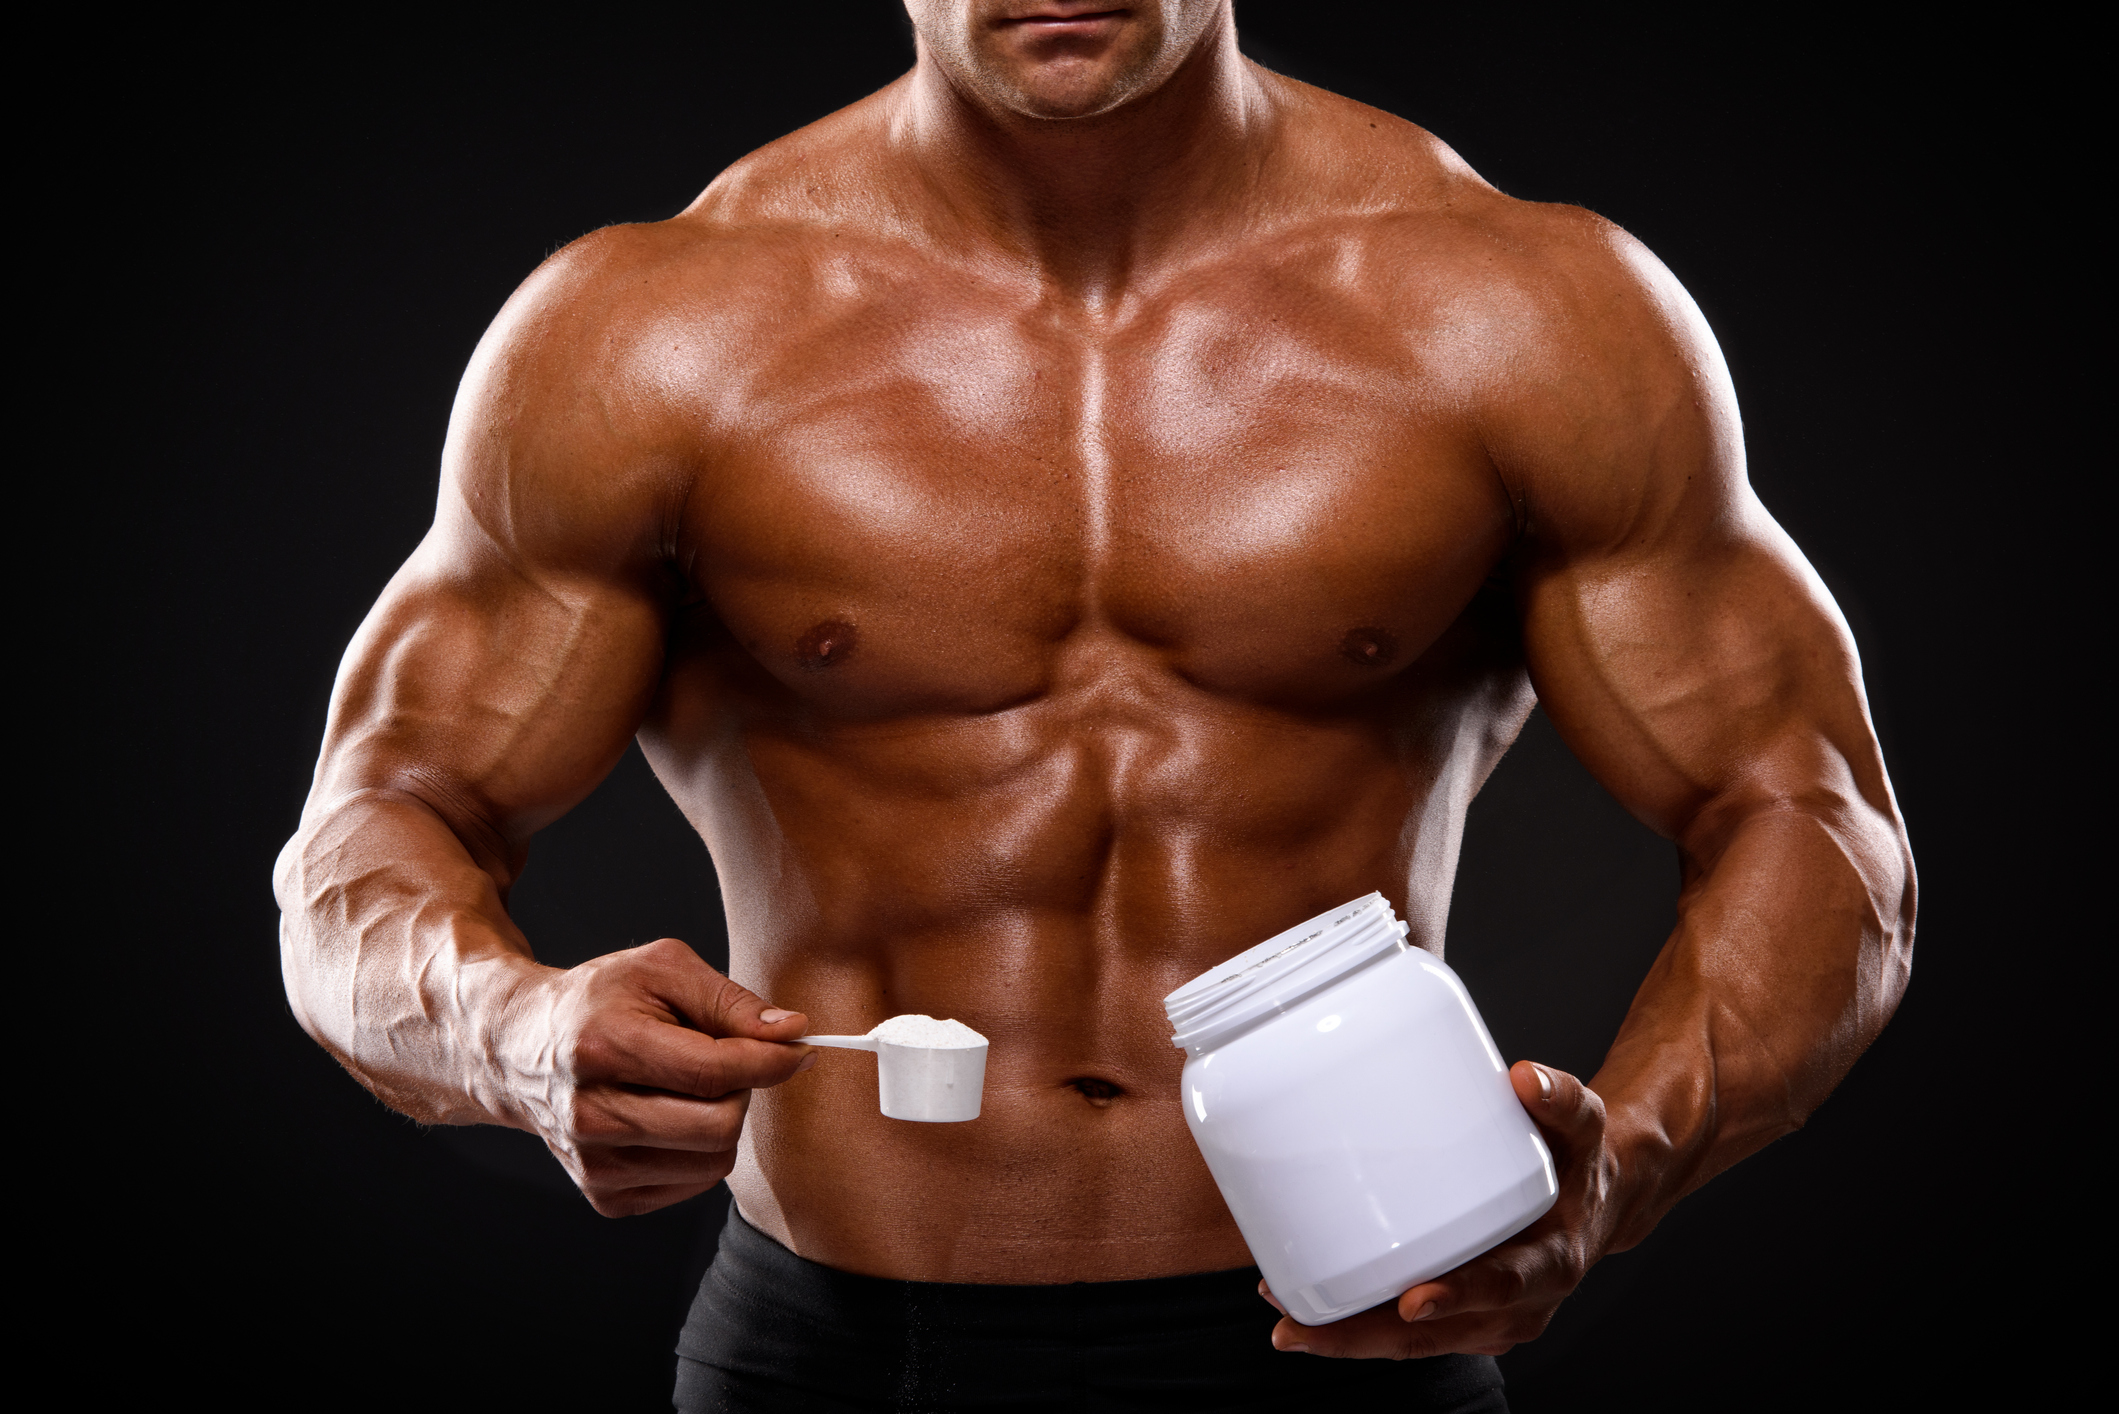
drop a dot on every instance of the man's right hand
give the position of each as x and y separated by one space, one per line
636 1069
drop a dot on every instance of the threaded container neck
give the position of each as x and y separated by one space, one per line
1281 972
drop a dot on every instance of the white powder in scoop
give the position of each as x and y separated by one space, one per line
917 1030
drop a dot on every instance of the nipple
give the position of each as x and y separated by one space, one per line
1370 647
827 645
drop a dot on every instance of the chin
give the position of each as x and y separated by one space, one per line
1080 95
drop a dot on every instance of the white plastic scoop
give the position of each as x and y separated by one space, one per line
928 1070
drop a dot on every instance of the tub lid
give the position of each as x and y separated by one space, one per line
1282 971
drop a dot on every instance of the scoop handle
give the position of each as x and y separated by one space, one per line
844 1043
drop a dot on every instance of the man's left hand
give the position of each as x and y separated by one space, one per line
1506 1295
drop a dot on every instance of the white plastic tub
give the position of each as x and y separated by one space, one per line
1354 1112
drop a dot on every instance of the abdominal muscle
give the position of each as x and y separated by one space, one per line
1046 875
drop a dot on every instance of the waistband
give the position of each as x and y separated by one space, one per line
768 1318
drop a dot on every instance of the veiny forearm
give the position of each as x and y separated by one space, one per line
1792 948
399 957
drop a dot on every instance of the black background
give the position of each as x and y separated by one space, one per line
316 231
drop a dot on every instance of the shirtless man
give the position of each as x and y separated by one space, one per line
1050 525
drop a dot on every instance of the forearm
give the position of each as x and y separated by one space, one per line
1791 949
399 957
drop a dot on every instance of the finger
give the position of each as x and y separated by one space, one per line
609 1117
1369 1335
639 1050
602 1171
632 1202
713 1003
1380 1335
1518 1272
1570 1113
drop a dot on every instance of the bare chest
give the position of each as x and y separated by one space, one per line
918 501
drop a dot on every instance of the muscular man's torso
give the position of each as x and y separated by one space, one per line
1034 649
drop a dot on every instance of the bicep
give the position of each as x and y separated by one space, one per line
1703 674
1679 640
497 696
509 661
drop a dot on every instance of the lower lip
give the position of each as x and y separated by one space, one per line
1071 24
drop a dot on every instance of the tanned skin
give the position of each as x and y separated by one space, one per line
1070 515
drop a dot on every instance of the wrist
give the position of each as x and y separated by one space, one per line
1651 1168
501 1034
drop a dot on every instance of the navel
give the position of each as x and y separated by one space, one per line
827 645
1097 1091
1370 647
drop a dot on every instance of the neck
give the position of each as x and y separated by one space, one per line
1090 203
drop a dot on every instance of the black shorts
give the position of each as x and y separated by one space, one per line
771 1332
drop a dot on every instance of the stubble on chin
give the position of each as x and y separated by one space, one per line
1009 74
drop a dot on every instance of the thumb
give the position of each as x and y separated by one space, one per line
713 1003
1568 1111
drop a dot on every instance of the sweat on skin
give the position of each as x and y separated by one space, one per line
1079 510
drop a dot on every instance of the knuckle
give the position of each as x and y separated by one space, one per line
709 1072
635 1202
730 995
1573 1268
723 1127
1566 1258
606 1197
1415 1345
600 1170
669 952
597 1124
590 1051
